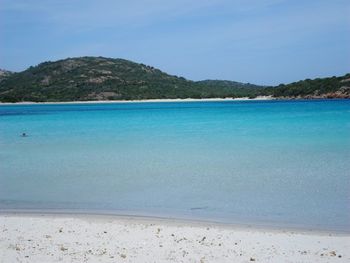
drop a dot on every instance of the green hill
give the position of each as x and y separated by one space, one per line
334 87
99 78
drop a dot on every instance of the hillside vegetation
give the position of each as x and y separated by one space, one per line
99 78
4 74
334 87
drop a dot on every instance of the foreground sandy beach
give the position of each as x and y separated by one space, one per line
91 238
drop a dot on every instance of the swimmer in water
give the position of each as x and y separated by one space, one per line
24 134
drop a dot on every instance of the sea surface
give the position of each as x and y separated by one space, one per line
283 163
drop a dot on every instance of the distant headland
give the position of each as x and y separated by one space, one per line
101 79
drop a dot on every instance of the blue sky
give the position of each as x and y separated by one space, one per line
264 42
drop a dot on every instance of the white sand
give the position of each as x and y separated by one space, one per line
82 238
138 101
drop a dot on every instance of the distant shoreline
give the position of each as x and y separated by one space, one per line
138 101
192 221
259 98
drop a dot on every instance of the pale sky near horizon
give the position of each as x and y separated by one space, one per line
263 42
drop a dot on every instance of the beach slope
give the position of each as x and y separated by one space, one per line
90 238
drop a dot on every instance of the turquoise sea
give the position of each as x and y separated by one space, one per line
284 163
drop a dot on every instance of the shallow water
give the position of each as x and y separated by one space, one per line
256 162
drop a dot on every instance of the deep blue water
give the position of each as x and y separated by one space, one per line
256 162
